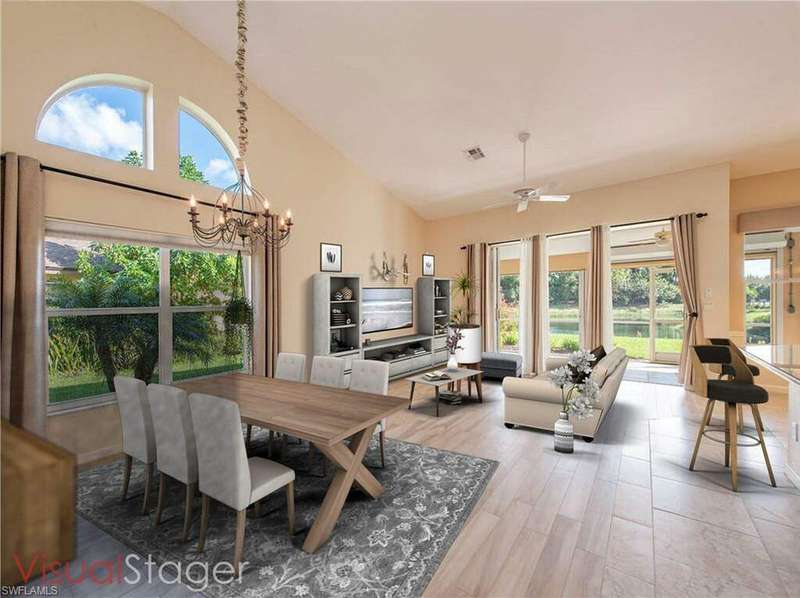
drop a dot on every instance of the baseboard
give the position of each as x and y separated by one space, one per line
98 455
794 478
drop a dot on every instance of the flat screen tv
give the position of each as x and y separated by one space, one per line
386 309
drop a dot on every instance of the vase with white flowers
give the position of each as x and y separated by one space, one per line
454 336
578 393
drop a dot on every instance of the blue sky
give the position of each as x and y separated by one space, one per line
108 121
208 153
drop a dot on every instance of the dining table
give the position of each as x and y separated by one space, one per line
338 422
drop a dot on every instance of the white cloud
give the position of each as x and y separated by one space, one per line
220 172
78 121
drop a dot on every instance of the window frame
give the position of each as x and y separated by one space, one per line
215 129
164 310
107 80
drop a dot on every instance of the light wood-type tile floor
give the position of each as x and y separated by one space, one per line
622 516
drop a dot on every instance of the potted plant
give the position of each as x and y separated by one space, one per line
578 393
238 317
470 349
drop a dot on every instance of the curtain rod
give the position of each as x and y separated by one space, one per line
97 179
698 214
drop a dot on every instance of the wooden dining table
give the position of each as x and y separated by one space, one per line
338 422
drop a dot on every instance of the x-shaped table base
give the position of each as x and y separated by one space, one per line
350 469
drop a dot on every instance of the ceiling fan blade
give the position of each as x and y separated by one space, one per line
497 205
554 198
522 205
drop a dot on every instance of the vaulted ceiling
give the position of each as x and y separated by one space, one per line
609 91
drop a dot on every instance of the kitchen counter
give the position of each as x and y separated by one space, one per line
784 361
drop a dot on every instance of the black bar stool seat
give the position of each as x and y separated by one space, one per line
736 392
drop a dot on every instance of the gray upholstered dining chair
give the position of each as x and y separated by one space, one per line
328 371
175 446
138 438
225 472
369 375
291 367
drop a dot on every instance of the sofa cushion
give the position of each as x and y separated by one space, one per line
599 352
606 366
501 361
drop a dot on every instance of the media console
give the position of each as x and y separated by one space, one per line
407 354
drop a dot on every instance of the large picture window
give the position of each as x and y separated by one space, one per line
126 309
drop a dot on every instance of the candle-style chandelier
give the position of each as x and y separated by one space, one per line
241 210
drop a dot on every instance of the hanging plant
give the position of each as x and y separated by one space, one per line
239 315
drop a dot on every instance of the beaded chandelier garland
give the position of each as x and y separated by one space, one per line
243 211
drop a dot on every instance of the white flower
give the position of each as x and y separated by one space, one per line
581 361
301 590
561 376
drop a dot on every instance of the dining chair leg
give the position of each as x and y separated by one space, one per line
759 428
733 440
709 407
187 511
238 545
382 438
126 476
162 487
201 537
740 417
290 506
283 447
411 396
148 482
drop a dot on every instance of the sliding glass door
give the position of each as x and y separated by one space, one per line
565 290
648 312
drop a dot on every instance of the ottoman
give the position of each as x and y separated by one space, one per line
500 365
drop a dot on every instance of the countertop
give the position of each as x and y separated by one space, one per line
783 360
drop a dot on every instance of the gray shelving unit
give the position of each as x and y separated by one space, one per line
434 306
326 334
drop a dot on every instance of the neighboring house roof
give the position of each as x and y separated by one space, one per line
62 255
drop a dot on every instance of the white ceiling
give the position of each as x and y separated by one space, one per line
609 91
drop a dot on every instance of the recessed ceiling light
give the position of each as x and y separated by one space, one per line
474 153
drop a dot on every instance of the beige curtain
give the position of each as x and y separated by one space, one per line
594 290
530 305
478 256
684 246
272 299
23 362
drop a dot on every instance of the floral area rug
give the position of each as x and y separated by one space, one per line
391 546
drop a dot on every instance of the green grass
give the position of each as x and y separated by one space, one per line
636 347
757 315
90 384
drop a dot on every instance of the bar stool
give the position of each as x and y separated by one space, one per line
727 370
739 390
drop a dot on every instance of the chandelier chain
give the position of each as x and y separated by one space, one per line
240 61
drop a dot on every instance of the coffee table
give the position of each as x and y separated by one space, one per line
455 376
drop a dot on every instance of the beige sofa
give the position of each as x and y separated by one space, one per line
536 402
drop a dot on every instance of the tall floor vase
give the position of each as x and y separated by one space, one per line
563 438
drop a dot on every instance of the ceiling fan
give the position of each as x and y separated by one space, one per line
661 238
526 194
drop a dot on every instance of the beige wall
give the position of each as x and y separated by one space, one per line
45 45
703 189
762 192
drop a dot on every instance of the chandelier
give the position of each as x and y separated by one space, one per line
242 211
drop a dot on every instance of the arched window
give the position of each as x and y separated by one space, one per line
204 156
102 115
